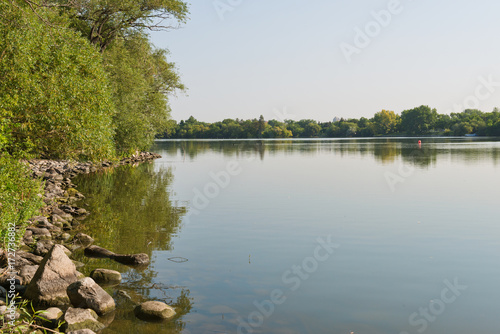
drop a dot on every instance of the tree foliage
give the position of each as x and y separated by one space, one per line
54 96
418 121
141 80
62 98
386 122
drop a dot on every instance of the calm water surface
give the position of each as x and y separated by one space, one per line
234 230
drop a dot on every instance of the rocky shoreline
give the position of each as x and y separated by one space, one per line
42 271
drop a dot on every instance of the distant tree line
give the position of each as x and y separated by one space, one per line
418 121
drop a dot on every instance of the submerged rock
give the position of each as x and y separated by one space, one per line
132 259
86 293
105 275
154 311
141 259
55 273
83 239
98 252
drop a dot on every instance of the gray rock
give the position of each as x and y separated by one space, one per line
132 259
141 259
26 274
58 220
23 258
82 331
105 275
63 215
3 292
40 233
40 220
154 311
65 236
78 319
81 211
98 252
86 293
8 314
29 257
83 239
28 238
50 317
26 266
42 247
55 273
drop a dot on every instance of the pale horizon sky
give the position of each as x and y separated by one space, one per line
283 59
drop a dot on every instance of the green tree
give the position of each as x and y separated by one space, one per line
141 81
386 122
54 97
419 120
102 21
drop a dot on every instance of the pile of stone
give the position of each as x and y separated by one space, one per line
45 273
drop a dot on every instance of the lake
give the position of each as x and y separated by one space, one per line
354 236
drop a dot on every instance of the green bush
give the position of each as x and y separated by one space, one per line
20 196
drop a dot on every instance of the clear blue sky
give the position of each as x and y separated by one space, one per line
283 58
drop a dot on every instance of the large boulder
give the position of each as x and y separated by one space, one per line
105 275
78 319
154 311
86 293
55 273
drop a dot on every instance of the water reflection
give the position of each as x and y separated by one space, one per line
132 205
385 150
132 212
395 245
